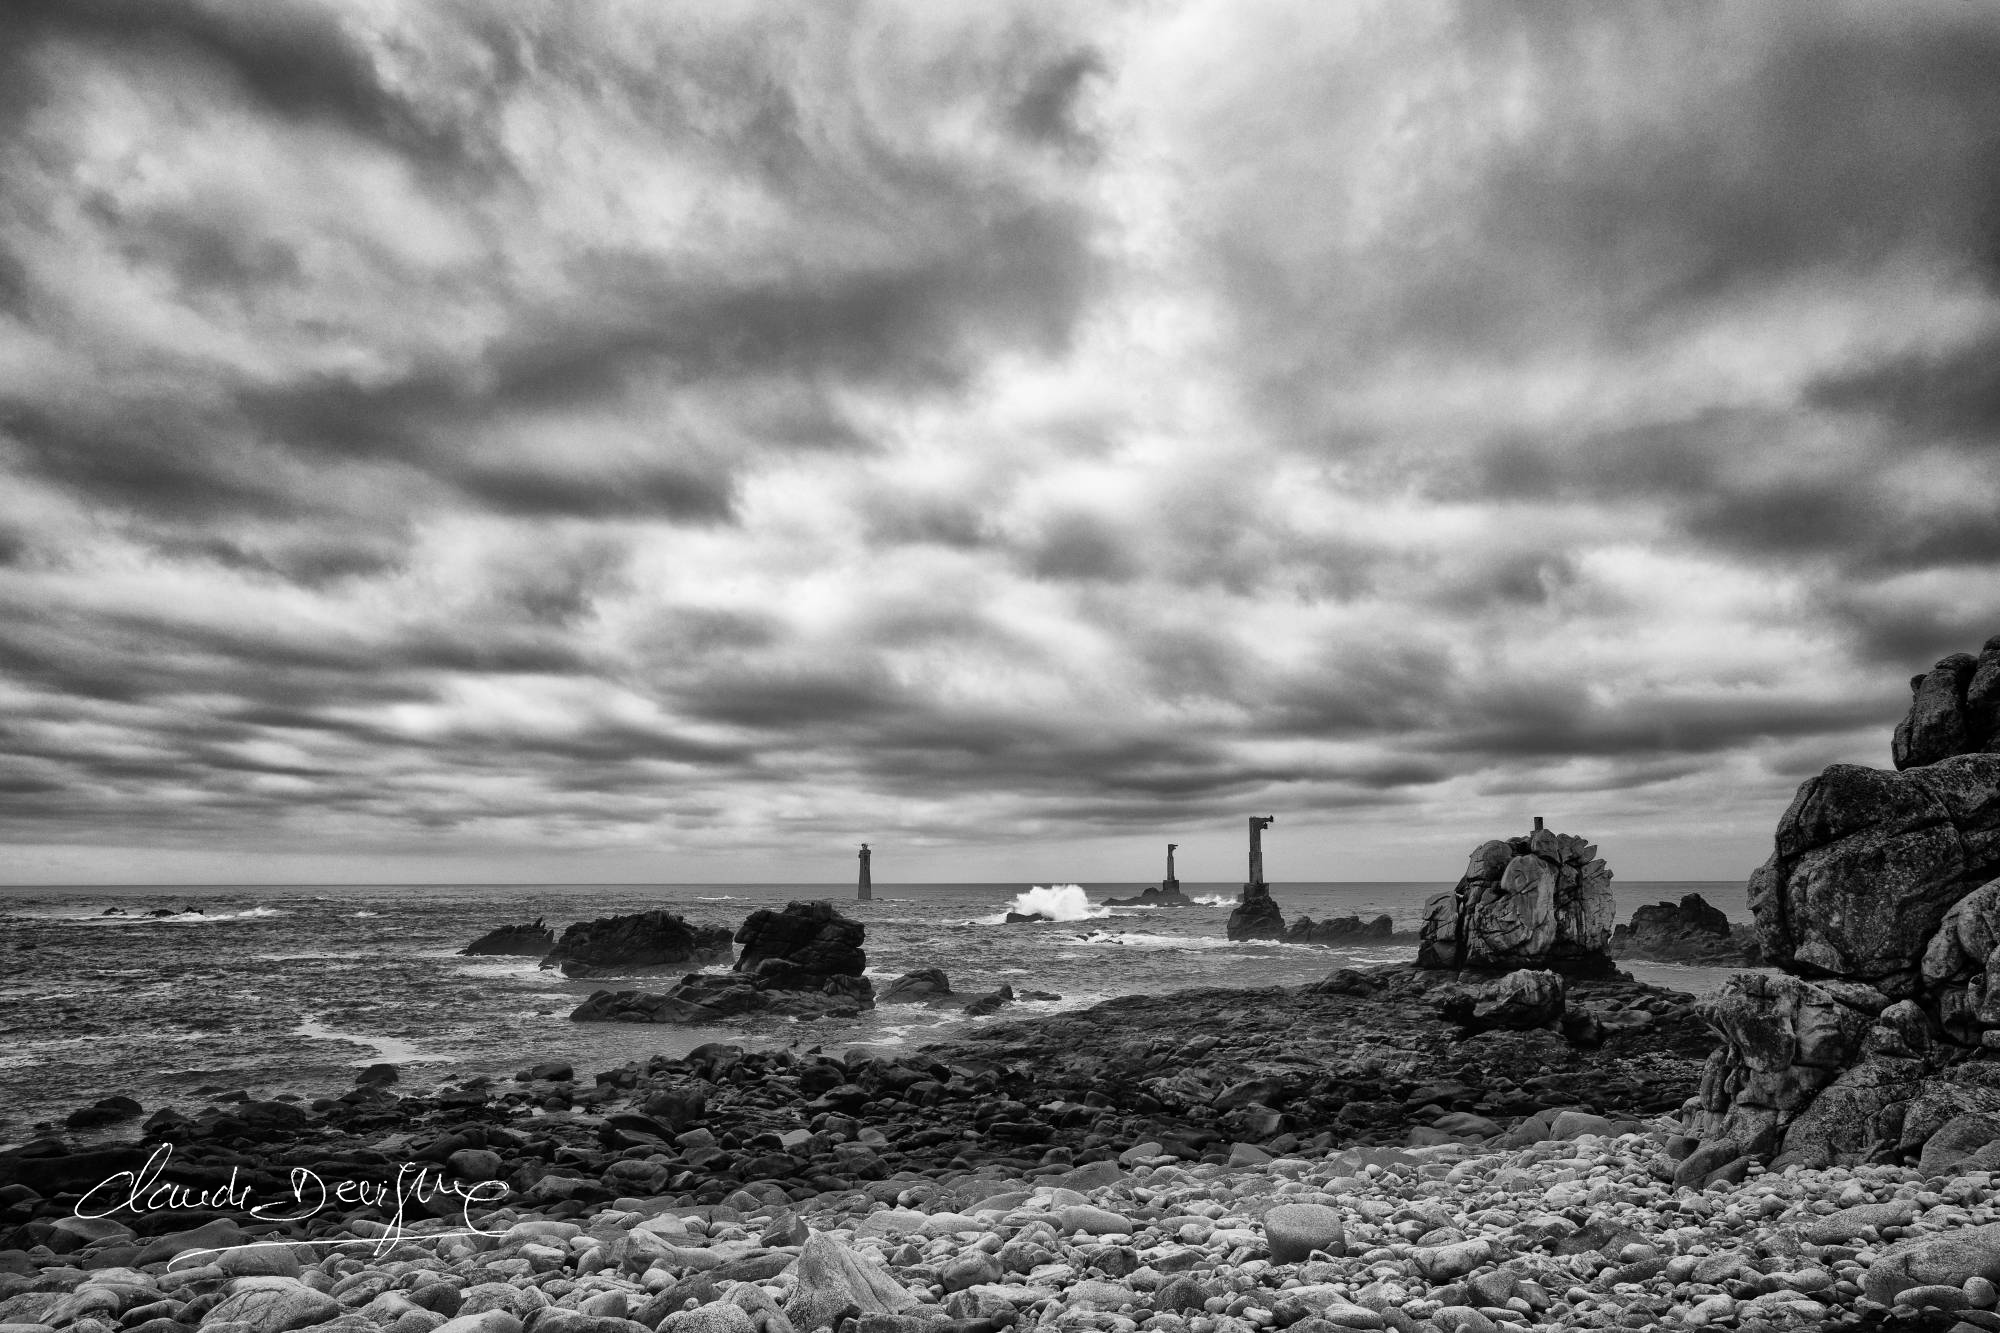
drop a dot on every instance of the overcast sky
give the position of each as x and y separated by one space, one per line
657 441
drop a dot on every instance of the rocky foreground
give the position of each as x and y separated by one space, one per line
1335 1156
1582 1228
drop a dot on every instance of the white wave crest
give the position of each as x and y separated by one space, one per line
1216 900
1057 902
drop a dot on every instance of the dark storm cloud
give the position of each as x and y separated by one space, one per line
1951 395
296 60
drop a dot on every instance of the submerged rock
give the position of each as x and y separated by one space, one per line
529 939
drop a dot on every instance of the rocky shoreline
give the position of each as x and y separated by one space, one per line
1220 1161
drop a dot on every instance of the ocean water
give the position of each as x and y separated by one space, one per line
295 988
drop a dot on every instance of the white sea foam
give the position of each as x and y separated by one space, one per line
1057 902
1215 900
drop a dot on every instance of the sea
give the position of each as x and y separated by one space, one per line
293 989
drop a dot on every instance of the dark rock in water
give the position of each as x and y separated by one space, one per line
162 911
1954 709
527 939
803 962
1256 916
1019 918
381 1074
928 983
1339 930
1692 931
658 938
1153 896
549 1071
107 1111
1539 901
992 1000
812 937
113 911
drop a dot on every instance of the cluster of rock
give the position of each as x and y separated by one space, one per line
1881 905
1691 931
1339 930
805 961
929 986
622 944
1256 915
1538 901
524 939
1954 709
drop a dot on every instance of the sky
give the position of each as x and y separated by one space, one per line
670 441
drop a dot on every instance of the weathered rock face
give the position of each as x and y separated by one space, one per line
1954 709
809 937
1690 931
1155 896
658 938
1543 900
1882 900
1256 915
928 983
1867 863
1339 930
1520 1000
528 940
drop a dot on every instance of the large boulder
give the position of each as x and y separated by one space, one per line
1256 915
1954 709
615 944
1783 1040
808 937
1867 863
1538 901
1520 1001
1690 931
532 940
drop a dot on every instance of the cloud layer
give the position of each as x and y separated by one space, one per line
695 439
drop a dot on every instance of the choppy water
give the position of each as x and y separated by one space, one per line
292 989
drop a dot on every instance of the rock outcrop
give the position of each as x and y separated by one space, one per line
1881 901
1519 1001
1153 896
1690 931
1256 915
1539 901
616 944
1339 930
525 939
925 984
805 961
1954 709
809 937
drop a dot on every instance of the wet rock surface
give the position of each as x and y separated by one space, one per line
527 939
1339 930
1256 915
1095 1170
658 938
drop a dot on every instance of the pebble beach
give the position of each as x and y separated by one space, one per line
1585 1230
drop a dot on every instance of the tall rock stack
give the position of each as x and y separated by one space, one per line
1881 902
1538 901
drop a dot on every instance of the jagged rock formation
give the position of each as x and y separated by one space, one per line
1954 709
658 938
805 961
1519 1000
1690 931
529 940
1539 901
1339 930
1256 915
1881 900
